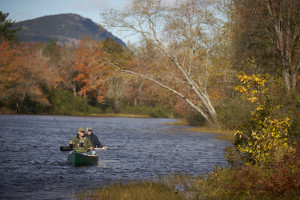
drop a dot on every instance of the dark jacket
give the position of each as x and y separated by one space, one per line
94 139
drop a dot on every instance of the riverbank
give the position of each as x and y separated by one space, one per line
246 182
224 134
279 181
119 115
221 134
89 115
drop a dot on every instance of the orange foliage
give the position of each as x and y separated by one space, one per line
23 69
8 69
92 70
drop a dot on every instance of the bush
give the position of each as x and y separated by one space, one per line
233 157
234 112
195 119
65 103
280 181
266 139
154 112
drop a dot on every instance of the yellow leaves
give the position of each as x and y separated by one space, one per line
253 99
269 136
238 133
259 108
241 89
252 86
263 143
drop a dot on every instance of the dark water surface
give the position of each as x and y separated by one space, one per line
33 167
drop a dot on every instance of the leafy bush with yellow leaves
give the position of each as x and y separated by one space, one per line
266 140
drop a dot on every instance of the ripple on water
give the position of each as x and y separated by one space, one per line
32 167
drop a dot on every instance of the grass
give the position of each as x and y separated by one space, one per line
246 182
279 181
119 115
222 134
142 190
179 122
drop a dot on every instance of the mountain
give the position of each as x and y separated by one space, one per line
65 28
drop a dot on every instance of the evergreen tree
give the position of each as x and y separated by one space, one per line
7 33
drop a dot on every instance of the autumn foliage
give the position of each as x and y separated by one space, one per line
24 71
92 72
265 142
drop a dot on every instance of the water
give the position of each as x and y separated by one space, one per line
33 167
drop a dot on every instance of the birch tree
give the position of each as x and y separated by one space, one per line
284 16
182 33
273 25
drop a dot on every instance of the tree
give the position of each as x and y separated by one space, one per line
24 71
52 50
269 35
285 18
7 33
183 34
66 69
92 72
118 55
8 69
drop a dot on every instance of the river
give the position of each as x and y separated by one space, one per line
33 167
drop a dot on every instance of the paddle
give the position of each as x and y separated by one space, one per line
97 148
69 148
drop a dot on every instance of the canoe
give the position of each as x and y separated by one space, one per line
78 159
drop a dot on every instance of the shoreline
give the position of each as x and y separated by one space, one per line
222 134
90 115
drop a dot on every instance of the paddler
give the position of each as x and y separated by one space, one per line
81 143
94 139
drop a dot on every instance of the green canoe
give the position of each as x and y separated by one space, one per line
77 159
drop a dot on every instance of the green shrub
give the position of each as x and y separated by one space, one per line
194 119
154 112
65 103
234 112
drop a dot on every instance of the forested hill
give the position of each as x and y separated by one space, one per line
65 28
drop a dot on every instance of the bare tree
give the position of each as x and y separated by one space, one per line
284 16
183 34
66 68
271 28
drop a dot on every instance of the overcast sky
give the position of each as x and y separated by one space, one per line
20 10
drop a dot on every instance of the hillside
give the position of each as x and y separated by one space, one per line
65 28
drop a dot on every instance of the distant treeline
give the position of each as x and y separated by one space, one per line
195 82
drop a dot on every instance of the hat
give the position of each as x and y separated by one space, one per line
89 128
81 129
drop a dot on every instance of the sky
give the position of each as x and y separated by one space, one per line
20 10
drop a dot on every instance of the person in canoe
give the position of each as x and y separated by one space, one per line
81 143
94 139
